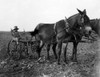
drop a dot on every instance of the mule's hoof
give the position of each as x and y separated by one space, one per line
74 60
48 58
55 57
71 58
58 63
30 57
66 62
47 61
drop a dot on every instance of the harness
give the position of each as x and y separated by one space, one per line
71 30
67 27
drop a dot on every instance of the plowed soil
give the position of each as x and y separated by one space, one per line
86 66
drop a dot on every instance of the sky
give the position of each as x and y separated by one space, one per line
26 14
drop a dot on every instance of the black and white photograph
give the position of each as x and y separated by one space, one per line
49 38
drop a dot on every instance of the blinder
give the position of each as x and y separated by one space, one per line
85 27
82 19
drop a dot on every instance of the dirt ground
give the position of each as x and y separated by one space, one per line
85 67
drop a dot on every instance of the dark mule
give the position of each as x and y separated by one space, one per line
79 24
95 24
45 33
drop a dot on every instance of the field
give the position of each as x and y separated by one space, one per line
86 67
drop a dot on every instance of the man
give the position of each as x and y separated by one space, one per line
15 34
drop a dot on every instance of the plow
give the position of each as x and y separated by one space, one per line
16 50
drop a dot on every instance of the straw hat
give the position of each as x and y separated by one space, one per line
16 28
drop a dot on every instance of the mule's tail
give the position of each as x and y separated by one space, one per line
33 33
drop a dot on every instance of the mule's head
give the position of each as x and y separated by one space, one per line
84 22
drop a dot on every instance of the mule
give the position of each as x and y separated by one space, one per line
95 24
79 25
45 33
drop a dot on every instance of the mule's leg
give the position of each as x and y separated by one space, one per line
65 50
48 49
59 51
54 50
74 54
39 50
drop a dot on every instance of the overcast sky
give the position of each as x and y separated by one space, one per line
26 14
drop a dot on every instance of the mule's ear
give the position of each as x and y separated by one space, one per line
79 11
84 11
65 18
